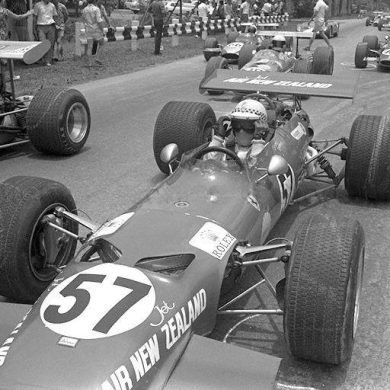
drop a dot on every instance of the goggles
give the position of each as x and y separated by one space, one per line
243 124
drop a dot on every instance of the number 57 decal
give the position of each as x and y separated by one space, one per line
100 302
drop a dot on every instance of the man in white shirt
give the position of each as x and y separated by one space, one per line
319 17
203 10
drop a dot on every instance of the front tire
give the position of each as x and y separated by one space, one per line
322 293
246 54
367 167
212 65
361 52
26 269
187 124
58 121
372 42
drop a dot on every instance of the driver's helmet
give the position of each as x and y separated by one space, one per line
252 29
278 41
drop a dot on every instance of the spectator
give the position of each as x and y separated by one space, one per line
93 22
103 12
280 9
44 25
319 14
220 10
60 19
5 14
228 9
17 28
158 12
267 8
245 8
203 10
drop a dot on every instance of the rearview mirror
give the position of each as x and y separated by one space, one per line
169 153
277 166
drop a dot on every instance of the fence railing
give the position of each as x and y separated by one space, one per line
134 32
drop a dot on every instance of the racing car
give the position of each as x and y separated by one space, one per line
54 120
332 28
266 58
373 49
384 22
132 306
374 18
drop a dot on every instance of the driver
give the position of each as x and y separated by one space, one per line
246 133
279 43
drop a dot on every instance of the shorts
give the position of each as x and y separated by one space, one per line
94 35
318 26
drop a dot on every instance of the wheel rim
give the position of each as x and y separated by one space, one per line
37 259
77 122
359 283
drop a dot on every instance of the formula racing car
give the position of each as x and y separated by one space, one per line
371 49
278 52
54 120
131 308
384 22
332 28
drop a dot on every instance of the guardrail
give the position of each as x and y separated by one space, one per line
174 30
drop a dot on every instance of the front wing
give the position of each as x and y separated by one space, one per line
241 81
212 365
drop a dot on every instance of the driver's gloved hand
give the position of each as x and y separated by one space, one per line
221 126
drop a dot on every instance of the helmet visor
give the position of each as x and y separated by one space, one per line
243 124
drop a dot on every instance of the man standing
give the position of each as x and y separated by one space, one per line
44 25
319 17
245 8
157 10
203 10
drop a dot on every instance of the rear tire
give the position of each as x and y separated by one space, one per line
58 121
302 65
212 65
323 60
24 273
187 124
372 42
367 168
361 52
210 43
246 54
322 293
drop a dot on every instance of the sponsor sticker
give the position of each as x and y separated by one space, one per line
299 131
213 239
68 342
99 302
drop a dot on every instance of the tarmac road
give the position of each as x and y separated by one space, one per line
117 168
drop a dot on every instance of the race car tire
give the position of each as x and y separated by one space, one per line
210 43
187 124
26 201
302 65
372 41
231 37
323 60
245 55
367 22
212 65
367 164
336 32
58 121
322 292
361 52
380 25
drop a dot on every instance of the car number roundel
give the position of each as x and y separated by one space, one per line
102 301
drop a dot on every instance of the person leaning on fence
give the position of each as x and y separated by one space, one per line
60 19
93 23
44 25
157 9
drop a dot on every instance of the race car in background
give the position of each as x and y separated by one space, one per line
332 28
266 57
374 18
371 49
384 22
132 307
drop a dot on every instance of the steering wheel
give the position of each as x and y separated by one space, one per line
199 154
270 104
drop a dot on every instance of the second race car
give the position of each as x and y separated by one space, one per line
371 49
